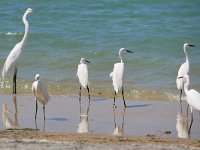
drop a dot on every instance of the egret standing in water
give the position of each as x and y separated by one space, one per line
40 92
192 96
82 73
13 58
118 75
183 70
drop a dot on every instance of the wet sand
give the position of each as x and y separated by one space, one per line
149 122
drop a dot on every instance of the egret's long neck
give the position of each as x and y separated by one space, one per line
186 86
26 29
120 56
186 56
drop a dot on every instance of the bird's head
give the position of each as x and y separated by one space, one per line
37 76
29 10
124 50
187 45
84 61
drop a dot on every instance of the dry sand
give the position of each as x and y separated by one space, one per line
31 139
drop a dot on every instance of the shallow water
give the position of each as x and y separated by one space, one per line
141 118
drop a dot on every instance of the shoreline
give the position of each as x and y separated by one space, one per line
28 135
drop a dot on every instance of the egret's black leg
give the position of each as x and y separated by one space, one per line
191 122
44 111
80 94
123 97
36 109
15 81
187 109
181 95
181 99
88 93
114 101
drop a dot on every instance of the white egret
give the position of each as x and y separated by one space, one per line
82 73
13 58
183 70
40 92
118 75
193 98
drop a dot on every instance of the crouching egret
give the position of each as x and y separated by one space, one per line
193 98
13 58
183 70
40 92
117 75
82 74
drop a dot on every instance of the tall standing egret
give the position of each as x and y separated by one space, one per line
118 75
13 58
40 92
183 70
82 73
193 98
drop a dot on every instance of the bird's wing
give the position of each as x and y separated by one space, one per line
43 92
117 76
193 99
34 85
183 70
12 59
83 74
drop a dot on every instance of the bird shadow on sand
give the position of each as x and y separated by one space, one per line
138 106
99 99
58 119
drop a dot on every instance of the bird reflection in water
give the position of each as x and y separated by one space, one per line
36 125
119 129
182 125
7 120
84 123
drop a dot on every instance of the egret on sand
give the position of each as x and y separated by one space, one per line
117 75
183 70
13 58
40 92
82 74
192 96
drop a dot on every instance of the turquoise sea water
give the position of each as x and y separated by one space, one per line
61 32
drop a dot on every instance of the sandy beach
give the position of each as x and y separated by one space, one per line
142 125
30 139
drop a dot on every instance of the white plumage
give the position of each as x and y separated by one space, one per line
184 69
13 58
82 72
192 96
118 74
40 92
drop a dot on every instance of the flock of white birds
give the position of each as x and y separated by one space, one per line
41 93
